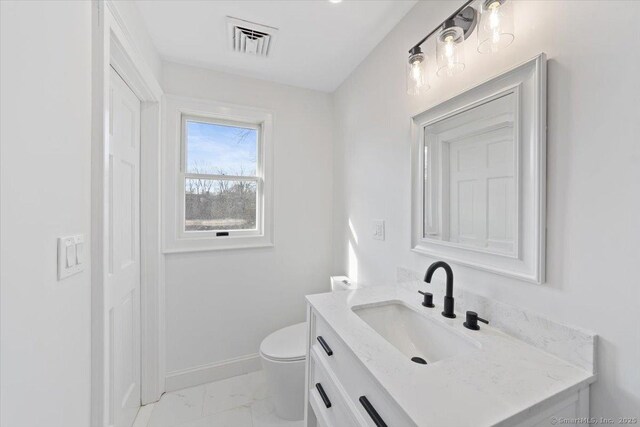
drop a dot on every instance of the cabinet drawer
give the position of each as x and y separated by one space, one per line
354 377
326 400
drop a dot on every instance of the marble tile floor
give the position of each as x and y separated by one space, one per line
240 401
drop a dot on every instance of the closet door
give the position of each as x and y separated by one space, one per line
123 252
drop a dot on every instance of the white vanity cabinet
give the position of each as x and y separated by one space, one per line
354 376
346 384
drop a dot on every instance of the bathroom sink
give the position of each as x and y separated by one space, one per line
418 337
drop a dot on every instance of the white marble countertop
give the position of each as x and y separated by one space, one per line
492 385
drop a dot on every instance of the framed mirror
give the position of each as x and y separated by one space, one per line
478 171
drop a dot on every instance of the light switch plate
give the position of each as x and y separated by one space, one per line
378 229
70 261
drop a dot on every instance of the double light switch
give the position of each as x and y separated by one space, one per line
71 255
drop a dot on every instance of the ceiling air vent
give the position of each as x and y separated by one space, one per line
249 37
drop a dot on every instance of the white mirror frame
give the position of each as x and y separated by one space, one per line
529 82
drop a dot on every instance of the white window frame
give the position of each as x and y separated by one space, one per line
178 111
183 175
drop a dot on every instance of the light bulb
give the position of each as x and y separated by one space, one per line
416 73
448 47
494 22
494 15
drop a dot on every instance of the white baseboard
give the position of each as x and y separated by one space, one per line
203 374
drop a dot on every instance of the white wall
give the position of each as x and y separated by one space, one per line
593 251
221 304
45 177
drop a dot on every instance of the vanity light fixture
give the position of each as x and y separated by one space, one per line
335 1
495 32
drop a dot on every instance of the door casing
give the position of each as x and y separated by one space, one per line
113 46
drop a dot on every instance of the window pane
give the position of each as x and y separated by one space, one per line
220 149
220 205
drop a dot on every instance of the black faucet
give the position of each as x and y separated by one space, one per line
448 299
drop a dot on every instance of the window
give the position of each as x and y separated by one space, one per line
219 156
221 178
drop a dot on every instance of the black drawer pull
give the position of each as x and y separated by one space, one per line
372 412
323 395
325 346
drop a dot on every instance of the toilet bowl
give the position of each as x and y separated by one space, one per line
283 355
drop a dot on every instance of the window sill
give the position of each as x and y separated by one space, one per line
220 244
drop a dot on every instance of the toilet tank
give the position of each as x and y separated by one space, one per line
342 283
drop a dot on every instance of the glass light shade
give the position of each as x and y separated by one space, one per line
450 51
495 31
417 81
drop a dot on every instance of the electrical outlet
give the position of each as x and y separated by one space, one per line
378 229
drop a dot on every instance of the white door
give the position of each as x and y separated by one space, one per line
123 252
482 188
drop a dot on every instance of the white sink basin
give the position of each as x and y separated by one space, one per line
414 335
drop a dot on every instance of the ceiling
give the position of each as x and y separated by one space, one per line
317 46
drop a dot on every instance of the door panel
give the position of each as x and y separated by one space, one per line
123 281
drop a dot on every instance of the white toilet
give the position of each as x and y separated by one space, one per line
283 356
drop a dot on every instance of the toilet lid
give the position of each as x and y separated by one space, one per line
286 344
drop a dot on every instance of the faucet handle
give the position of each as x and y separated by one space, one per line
472 321
428 299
